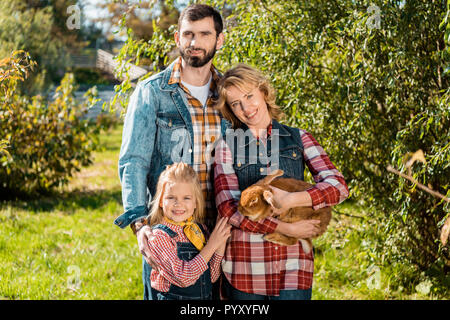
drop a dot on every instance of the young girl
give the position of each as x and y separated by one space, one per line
187 264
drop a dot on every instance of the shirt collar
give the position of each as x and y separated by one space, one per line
175 76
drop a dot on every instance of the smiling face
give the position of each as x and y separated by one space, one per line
178 201
249 106
197 41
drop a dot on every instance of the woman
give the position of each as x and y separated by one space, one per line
254 144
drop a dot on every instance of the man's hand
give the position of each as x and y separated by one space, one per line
143 235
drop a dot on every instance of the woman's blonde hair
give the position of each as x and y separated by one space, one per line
177 172
245 77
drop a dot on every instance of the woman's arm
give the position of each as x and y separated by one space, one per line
330 188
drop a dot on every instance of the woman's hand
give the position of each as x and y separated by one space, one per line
280 201
284 200
303 229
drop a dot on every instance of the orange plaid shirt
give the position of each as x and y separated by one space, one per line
206 127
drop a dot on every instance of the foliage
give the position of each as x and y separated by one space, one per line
48 140
140 16
370 80
370 94
39 27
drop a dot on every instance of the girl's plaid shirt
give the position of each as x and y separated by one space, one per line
173 270
256 266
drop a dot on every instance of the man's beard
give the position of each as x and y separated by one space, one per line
197 62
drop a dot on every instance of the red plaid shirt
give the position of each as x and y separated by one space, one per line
173 270
256 266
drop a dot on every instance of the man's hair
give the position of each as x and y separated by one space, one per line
197 12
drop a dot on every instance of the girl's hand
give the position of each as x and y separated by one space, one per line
217 239
220 234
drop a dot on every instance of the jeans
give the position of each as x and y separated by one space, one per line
149 292
235 294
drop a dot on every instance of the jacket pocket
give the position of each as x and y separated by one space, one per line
291 161
172 138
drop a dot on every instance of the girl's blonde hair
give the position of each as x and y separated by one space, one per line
177 172
245 77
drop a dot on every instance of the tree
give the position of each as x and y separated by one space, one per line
45 141
38 27
371 93
370 80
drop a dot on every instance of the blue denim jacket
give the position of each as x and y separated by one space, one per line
157 131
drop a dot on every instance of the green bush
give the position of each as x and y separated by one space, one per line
47 140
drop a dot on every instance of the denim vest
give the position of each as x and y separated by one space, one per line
251 158
201 289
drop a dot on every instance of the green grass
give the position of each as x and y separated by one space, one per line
65 246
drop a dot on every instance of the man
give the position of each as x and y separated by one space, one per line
171 118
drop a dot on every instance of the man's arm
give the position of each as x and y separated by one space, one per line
138 139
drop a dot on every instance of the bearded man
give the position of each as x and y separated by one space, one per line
170 118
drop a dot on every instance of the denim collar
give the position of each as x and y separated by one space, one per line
277 130
165 86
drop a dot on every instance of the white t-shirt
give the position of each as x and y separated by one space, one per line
200 93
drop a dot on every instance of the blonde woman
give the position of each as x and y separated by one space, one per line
254 145
187 263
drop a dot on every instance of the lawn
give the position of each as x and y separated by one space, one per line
66 246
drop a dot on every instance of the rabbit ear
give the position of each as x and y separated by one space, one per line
270 177
253 201
268 196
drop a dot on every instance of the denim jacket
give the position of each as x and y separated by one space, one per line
157 131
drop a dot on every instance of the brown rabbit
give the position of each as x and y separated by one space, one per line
257 201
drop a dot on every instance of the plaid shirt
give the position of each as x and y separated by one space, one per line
261 267
206 127
173 270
